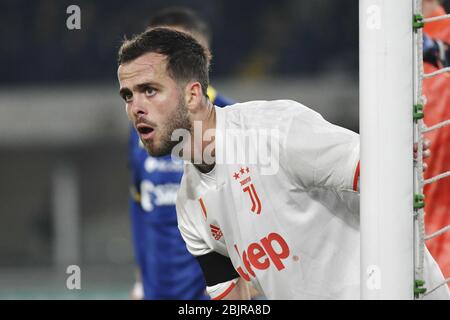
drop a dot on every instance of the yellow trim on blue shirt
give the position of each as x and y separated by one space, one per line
211 92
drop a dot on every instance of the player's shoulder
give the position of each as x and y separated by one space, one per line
274 113
270 107
191 186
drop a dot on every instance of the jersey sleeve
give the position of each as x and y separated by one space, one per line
218 270
322 155
221 290
195 244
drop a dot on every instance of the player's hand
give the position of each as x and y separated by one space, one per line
426 151
436 52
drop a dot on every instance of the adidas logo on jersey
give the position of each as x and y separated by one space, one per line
216 232
262 255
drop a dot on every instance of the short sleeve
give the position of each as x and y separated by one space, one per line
195 244
218 270
320 154
221 290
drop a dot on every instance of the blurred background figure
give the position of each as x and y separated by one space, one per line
437 109
437 29
166 269
64 134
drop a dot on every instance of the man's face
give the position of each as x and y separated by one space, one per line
154 102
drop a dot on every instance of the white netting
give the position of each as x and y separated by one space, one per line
438 126
419 130
419 227
438 286
437 233
435 73
428 20
438 177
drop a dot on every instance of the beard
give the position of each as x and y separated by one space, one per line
178 119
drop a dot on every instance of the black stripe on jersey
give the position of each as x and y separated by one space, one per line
216 268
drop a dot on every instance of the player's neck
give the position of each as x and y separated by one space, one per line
205 142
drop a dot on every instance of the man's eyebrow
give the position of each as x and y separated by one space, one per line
124 91
143 86
138 87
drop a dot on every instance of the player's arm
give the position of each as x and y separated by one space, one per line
322 155
222 280
239 290
436 52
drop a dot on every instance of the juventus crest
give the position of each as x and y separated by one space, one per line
245 181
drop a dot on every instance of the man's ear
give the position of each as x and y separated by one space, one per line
193 95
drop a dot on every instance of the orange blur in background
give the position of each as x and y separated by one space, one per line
437 109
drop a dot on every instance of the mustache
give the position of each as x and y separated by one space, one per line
142 120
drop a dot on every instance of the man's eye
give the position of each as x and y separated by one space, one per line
127 97
150 92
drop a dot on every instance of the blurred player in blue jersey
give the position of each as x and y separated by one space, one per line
166 269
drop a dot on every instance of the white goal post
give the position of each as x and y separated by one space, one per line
386 128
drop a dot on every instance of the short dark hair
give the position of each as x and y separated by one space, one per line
187 60
181 17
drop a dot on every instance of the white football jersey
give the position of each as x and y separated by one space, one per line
281 203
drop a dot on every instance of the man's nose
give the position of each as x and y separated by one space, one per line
138 107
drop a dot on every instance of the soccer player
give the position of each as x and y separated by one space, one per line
166 269
269 194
